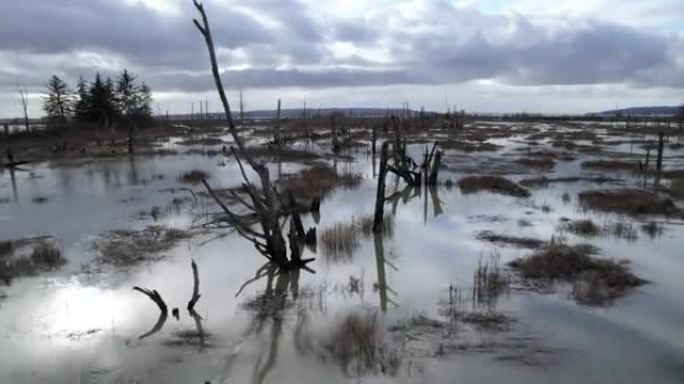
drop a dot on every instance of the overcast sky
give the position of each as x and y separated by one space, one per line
481 55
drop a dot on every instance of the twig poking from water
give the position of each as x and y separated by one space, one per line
154 296
195 290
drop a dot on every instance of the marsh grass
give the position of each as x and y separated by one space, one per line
194 176
44 257
587 228
595 281
358 345
676 188
343 239
124 247
652 229
628 201
340 241
489 282
537 162
318 181
494 184
611 165
522 242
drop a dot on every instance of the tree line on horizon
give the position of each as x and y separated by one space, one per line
103 102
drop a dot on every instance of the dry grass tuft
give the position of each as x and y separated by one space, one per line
340 241
44 257
357 345
628 201
124 247
193 177
587 228
611 165
596 281
495 184
522 242
319 181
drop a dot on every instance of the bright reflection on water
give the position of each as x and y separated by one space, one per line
83 323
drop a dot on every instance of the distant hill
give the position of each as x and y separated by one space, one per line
298 112
639 111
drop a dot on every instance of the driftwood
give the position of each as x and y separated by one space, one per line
195 287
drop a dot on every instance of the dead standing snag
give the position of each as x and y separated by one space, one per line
265 201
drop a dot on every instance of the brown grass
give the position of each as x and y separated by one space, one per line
44 257
543 163
340 241
596 281
611 165
318 181
676 188
356 343
193 177
587 228
124 247
628 201
522 242
494 184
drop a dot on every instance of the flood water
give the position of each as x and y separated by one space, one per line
83 322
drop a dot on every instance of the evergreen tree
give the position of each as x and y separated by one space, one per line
103 107
59 102
83 106
126 93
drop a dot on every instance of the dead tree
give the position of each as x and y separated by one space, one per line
276 129
659 156
264 201
333 128
242 109
380 194
23 98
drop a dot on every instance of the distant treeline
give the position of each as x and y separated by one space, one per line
103 102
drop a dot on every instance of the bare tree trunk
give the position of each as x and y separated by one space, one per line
266 207
432 179
242 109
23 96
374 138
380 195
305 122
333 127
276 131
659 158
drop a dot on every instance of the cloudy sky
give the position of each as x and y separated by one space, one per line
481 55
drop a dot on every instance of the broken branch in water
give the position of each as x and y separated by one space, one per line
154 296
195 288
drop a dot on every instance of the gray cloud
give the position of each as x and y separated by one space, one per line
283 43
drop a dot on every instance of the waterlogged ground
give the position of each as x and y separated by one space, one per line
392 308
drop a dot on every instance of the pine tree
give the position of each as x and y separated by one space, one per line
126 93
59 102
83 106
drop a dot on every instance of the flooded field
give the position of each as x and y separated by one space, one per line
545 252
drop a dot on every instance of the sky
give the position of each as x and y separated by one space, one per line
560 56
